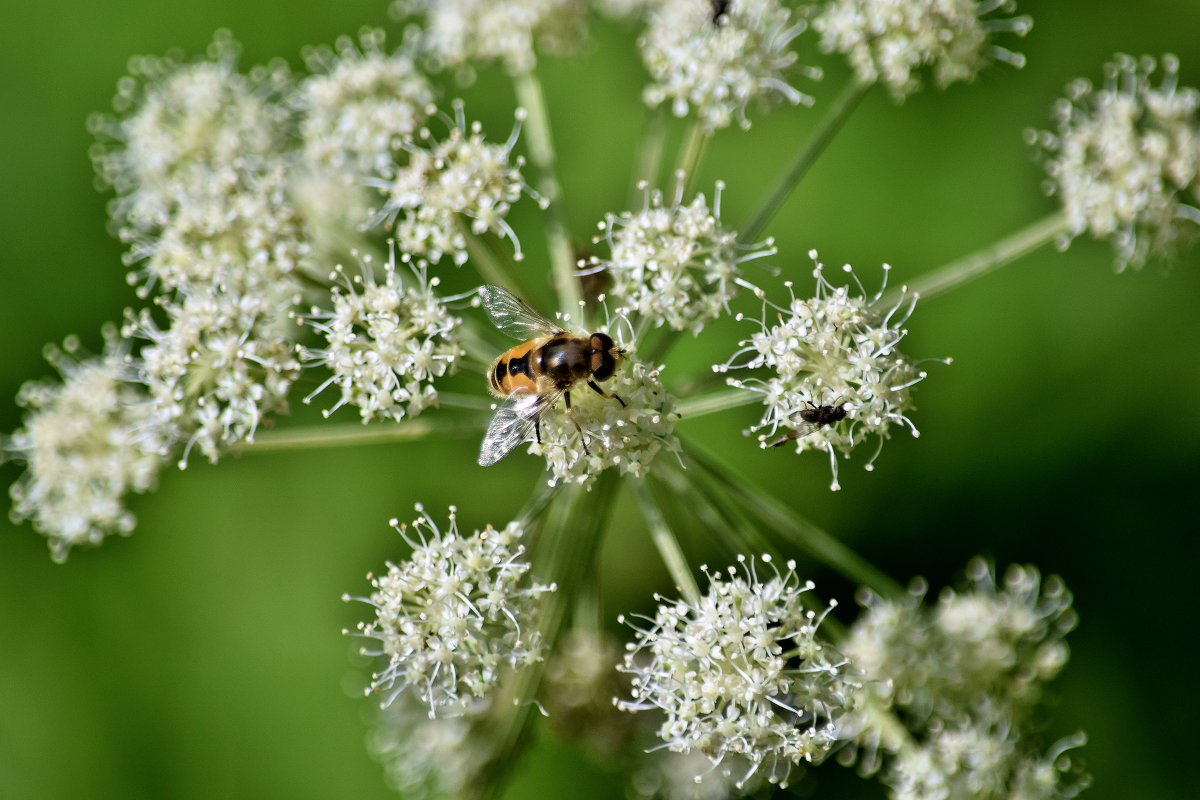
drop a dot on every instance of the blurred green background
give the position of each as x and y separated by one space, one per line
202 656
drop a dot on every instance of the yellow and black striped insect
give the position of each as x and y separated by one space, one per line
531 377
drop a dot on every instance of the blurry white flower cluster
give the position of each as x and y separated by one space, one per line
1125 160
965 675
891 40
88 440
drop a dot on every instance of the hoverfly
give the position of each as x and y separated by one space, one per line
531 377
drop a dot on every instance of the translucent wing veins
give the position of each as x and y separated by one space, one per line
514 316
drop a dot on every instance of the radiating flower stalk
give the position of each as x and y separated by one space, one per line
292 236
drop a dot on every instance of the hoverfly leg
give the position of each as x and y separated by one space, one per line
602 393
571 416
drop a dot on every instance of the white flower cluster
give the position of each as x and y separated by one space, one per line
965 676
741 673
386 342
578 687
1125 160
359 104
452 616
457 32
186 128
835 349
627 437
667 775
197 158
428 759
891 40
87 442
720 65
215 369
674 264
464 175
237 238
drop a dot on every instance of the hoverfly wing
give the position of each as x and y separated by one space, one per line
514 316
513 423
811 419
799 432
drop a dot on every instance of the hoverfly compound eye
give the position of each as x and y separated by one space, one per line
602 341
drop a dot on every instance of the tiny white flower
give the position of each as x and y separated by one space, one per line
1125 160
892 40
386 341
453 615
718 66
742 673
674 264
626 437
458 32
463 175
360 104
87 441
835 350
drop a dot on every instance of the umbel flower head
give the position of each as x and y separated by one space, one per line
385 341
674 264
717 65
835 350
1125 160
182 127
965 675
463 175
740 672
458 32
359 104
453 615
217 367
892 40
87 442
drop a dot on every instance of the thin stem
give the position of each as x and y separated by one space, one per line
471 402
650 155
835 117
567 542
717 401
989 258
704 506
351 434
693 151
708 503
797 530
667 544
541 152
